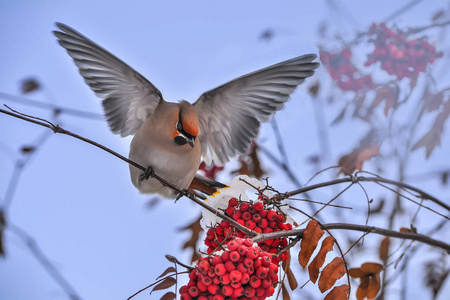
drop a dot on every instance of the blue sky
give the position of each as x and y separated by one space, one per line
77 201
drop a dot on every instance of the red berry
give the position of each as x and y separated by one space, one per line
213 289
217 259
242 249
248 242
269 291
227 290
185 296
206 280
235 276
250 224
238 292
260 291
263 213
237 215
218 297
256 218
225 256
249 291
235 256
220 269
263 223
229 265
225 224
252 252
201 286
232 245
262 272
255 282
245 278
244 206
193 291
266 282
246 215
230 211
242 268
258 206
225 279
248 262
211 272
272 215
233 202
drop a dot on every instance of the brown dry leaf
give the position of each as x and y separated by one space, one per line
384 248
338 293
311 236
165 284
195 229
289 274
29 85
432 101
433 137
317 262
387 94
167 271
354 161
404 229
435 274
285 292
169 296
314 89
369 274
331 273
438 15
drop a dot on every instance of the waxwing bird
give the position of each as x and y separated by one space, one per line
172 138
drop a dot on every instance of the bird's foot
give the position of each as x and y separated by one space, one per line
149 172
185 192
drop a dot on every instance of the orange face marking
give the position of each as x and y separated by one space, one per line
174 134
190 128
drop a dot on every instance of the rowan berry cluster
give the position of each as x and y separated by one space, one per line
345 74
257 216
398 55
242 271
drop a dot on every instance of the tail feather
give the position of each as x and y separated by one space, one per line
204 185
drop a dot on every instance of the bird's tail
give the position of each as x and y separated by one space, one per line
202 186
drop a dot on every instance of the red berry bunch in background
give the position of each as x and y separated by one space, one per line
398 55
256 216
242 271
346 75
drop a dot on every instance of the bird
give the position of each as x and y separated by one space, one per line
172 138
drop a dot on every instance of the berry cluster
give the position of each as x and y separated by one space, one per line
210 171
398 55
346 75
257 216
242 271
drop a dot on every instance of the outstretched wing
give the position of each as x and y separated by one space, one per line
128 98
230 115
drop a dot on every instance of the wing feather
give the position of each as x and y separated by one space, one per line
128 98
230 115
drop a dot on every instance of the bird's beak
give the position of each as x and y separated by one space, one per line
190 142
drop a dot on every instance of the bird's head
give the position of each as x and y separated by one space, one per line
186 128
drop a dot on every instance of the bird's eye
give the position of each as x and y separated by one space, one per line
179 127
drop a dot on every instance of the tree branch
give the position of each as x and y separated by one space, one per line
368 229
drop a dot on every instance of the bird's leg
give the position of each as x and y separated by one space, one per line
185 192
149 172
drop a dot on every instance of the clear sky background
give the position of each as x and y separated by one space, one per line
77 201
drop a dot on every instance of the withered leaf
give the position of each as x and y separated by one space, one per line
29 85
435 274
289 274
338 293
384 248
165 284
387 94
354 161
369 287
331 273
169 296
285 292
195 229
311 236
167 271
317 262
